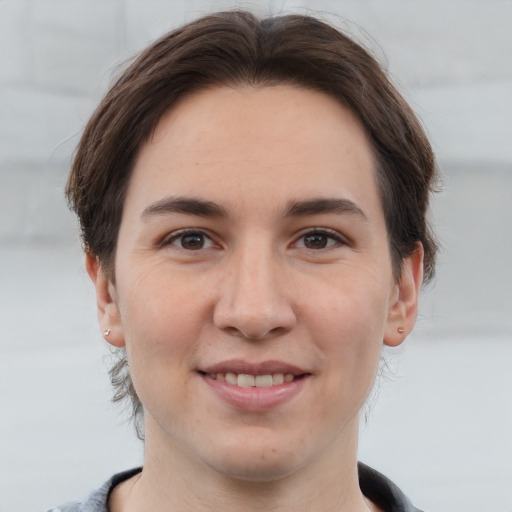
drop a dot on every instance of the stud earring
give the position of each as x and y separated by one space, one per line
106 333
400 330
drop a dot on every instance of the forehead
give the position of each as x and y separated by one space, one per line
278 141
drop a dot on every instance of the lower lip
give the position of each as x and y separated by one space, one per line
255 399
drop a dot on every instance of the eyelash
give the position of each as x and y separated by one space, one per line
329 233
173 237
323 232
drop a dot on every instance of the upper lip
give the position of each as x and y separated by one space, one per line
239 366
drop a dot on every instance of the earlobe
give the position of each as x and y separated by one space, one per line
108 310
404 303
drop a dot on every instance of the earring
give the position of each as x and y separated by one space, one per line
400 330
106 333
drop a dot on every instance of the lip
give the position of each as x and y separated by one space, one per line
254 399
265 367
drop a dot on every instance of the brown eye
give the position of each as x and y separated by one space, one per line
320 239
189 240
192 242
316 241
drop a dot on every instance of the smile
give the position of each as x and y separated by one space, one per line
255 387
244 380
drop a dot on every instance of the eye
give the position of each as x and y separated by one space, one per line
319 239
189 240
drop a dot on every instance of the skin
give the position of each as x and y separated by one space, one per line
256 286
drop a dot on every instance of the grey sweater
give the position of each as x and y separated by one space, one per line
374 486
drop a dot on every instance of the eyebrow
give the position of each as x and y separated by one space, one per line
185 205
203 208
322 205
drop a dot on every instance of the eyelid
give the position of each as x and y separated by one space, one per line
331 233
169 238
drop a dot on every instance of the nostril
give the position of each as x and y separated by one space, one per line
253 321
251 337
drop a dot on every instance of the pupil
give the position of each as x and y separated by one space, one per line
315 241
192 241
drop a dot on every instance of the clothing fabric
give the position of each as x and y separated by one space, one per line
375 486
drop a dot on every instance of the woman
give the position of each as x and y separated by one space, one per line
252 196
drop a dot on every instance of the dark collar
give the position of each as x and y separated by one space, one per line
382 491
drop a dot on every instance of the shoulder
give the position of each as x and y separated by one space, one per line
68 507
97 501
382 491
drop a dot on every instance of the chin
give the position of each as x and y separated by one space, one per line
260 463
264 470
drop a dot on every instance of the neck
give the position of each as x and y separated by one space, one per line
171 481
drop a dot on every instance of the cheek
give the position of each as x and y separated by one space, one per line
161 331
153 298
349 329
351 311
348 341
162 319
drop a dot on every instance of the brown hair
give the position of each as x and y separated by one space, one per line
238 49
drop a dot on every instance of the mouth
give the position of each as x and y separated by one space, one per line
244 380
254 387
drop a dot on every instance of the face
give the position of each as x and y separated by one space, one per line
254 286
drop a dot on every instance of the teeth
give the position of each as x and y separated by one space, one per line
231 379
263 381
245 381
249 381
277 378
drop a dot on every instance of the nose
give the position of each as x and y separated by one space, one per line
254 301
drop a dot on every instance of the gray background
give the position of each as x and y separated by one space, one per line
442 423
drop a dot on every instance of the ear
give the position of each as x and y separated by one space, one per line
404 303
108 310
